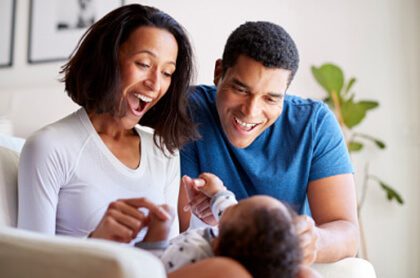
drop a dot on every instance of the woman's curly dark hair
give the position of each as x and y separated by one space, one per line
92 75
265 243
264 42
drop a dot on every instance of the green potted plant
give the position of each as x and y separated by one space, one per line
350 113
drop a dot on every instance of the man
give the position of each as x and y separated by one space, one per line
260 140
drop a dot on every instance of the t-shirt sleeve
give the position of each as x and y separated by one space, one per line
39 178
172 191
189 160
330 154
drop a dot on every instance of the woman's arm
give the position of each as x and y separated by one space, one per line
40 177
171 191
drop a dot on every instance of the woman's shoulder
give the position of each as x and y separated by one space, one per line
62 134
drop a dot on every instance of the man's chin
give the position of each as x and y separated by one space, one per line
240 142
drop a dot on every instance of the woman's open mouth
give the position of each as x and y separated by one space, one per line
143 101
139 103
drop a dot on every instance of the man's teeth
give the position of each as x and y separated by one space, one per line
143 98
247 125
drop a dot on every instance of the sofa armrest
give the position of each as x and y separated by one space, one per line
28 254
346 268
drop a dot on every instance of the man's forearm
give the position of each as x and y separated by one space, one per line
337 240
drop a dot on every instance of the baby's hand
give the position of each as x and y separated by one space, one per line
209 184
158 229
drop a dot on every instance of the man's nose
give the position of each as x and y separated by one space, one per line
251 107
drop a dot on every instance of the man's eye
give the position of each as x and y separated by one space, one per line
239 89
273 100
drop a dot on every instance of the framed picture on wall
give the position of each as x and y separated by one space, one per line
7 30
56 26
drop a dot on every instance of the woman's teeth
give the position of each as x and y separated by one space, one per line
143 98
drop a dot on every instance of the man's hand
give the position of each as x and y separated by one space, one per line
159 229
308 237
122 220
198 202
209 184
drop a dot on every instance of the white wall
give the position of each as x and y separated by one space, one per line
378 41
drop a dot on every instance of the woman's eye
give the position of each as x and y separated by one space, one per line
142 65
167 74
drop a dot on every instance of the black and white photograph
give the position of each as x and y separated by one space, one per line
56 26
7 26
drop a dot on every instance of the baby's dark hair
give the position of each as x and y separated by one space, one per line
266 244
265 42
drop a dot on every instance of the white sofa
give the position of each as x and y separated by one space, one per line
28 254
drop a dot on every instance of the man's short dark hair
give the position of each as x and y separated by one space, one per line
265 243
92 75
264 42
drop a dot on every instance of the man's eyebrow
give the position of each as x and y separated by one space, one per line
276 95
237 82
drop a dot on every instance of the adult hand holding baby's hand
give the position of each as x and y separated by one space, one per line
122 220
158 229
308 237
209 184
198 202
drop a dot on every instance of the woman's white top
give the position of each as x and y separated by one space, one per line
68 177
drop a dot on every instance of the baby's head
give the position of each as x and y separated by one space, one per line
258 232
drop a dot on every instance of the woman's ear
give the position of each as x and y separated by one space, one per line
218 70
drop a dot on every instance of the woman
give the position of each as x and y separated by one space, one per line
90 172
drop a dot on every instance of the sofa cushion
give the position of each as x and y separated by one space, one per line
29 254
11 142
8 187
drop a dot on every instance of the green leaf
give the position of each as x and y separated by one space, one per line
350 84
355 146
352 113
379 143
330 77
369 104
391 194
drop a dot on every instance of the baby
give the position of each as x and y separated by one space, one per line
257 232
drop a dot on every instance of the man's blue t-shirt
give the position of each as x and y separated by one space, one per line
304 144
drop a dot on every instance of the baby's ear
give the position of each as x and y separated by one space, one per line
215 245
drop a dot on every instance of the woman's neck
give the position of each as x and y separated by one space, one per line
108 125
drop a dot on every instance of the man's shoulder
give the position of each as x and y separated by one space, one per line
297 101
202 103
202 93
304 106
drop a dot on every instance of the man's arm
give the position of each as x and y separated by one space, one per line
183 214
334 209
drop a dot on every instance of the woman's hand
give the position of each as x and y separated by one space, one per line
122 220
308 237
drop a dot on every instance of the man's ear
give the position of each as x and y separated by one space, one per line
218 69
